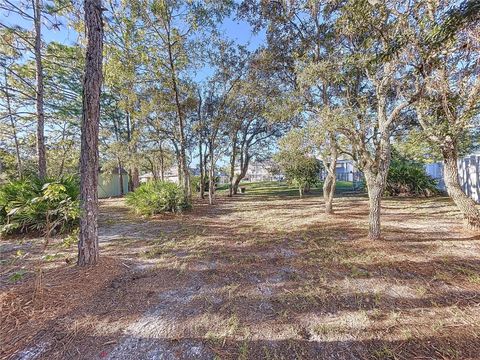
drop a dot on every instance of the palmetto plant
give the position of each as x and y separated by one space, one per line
157 197
39 206
409 178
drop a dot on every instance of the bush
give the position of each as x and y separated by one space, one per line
408 178
45 206
195 183
302 172
157 197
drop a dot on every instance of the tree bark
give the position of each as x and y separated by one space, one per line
376 187
202 173
243 172
233 159
185 176
244 162
205 168
120 177
328 192
211 178
41 152
88 253
464 203
162 164
13 125
136 177
331 168
130 180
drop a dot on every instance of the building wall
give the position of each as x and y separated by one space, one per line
109 185
468 175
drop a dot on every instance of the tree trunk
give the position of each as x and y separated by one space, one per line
185 178
88 239
162 164
211 180
41 153
233 159
331 167
136 177
205 167
13 125
328 192
243 172
464 203
202 173
376 187
120 177
130 180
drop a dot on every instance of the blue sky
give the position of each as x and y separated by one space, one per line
237 30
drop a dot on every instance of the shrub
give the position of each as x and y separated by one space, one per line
408 178
195 183
45 206
157 197
302 172
294 159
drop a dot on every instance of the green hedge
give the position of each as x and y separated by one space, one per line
157 197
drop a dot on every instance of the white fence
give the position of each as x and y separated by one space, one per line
468 175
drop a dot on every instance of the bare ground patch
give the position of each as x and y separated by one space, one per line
253 278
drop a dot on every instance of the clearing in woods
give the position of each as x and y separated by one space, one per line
259 276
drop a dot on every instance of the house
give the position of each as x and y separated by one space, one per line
468 175
110 182
170 174
260 171
345 171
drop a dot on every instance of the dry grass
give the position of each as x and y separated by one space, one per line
255 277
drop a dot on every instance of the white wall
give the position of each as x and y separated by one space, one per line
468 175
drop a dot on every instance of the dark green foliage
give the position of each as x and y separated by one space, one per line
303 172
157 197
195 183
408 178
45 206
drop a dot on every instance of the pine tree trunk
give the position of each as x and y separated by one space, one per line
136 177
464 203
88 239
185 174
13 125
120 177
41 153
130 180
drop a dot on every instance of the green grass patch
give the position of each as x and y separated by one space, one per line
277 188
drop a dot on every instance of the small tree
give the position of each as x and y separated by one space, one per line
295 160
325 142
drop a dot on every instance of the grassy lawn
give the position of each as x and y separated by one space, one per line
260 276
276 188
